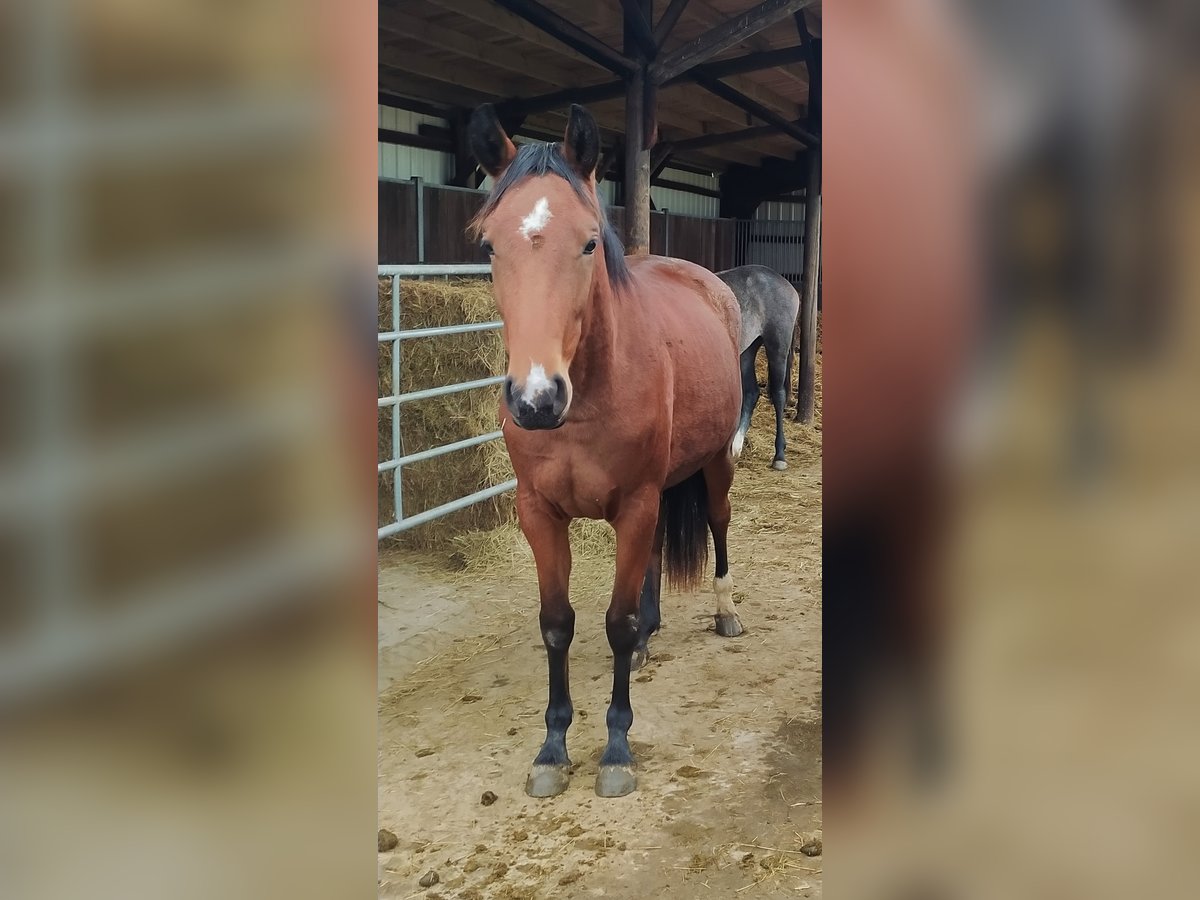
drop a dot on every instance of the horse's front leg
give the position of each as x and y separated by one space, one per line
635 527
547 536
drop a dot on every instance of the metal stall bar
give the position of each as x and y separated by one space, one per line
439 391
413 270
438 331
397 449
446 508
440 450
399 458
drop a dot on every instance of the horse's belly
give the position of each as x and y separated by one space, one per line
708 399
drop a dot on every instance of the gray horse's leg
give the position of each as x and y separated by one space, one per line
649 612
749 396
778 363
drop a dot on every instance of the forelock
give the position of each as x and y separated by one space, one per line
536 159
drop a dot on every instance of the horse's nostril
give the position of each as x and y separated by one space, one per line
560 395
508 389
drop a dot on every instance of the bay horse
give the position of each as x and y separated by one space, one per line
620 403
770 306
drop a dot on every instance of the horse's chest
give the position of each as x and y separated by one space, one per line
587 480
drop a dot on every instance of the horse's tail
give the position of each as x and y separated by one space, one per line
685 536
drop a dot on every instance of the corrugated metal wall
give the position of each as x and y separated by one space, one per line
777 211
685 203
404 162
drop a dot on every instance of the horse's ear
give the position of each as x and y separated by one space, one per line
488 141
581 142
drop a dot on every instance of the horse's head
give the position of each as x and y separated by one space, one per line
549 241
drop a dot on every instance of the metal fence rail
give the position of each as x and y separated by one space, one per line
399 459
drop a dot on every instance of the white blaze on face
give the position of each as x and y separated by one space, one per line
535 383
536 220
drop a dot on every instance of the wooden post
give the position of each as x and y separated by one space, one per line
638 140
637 170
805 388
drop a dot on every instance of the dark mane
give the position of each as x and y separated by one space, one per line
547 159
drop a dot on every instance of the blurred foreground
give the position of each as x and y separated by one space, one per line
186 543
1012 448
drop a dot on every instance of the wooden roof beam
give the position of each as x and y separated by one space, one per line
401 25
812 61
572 35
473 77
751 62
659 158
725 137
505 24
724 36
728 94
430 89
410 105
544 102
663 29
639 28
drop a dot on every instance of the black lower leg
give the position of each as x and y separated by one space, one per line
750 390
779 400
557 633
622 636
721 551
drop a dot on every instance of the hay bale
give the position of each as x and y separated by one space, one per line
431 362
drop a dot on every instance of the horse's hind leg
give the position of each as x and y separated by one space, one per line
718 478
779 352
749 396
547 536
649 615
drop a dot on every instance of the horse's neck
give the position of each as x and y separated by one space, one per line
596 356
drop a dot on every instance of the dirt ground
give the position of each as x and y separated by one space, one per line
726 731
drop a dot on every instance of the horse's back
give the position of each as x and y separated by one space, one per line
653 273
767 301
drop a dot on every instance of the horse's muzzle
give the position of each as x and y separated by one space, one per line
538 410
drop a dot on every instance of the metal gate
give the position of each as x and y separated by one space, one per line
396 336
775 243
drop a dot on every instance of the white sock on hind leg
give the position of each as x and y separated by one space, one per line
723 588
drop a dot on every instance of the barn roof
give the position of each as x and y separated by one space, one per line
748 103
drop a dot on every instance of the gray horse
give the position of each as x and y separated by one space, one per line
769 308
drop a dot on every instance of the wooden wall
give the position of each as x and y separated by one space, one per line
709 242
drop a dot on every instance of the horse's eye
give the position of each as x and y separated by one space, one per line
590 247
487 248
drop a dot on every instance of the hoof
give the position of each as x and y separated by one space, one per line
547 781
615 781
779 465
728 626
641 656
